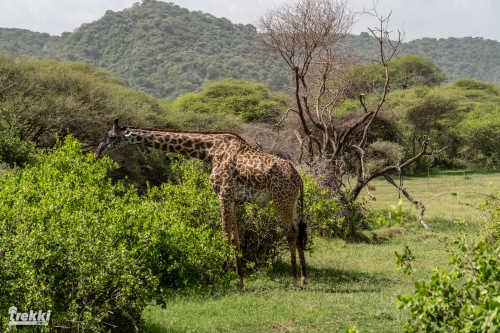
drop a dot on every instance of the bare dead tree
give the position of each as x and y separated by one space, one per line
308 36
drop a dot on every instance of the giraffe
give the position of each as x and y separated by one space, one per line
239 174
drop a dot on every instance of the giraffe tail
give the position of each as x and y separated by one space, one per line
302 224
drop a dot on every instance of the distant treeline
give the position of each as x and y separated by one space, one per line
167 50
466 57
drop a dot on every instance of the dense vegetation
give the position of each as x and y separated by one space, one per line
239 98
462 116
25 42
166 50
471 57
96 250
42 99
49 97
460 57
69 243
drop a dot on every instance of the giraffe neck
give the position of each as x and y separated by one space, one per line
192 144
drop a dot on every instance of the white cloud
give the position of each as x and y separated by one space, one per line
441 19
54 16
238 11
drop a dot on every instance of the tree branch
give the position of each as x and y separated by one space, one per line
416 202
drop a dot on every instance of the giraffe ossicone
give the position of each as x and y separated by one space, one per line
240 174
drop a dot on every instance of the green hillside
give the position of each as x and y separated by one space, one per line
167 50
475 58
157 47
27 43
461 57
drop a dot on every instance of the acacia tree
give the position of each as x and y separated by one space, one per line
308 36
412 70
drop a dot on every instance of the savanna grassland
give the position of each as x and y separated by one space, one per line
350 284
143 242
133 241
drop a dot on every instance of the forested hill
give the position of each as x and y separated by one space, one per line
27 43
475 58
167 50
157 47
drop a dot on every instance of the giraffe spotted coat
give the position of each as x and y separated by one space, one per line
240 174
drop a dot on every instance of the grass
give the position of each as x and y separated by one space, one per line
349 284
447 196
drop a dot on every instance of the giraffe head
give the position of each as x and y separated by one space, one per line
112 139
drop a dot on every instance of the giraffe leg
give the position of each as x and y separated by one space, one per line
230 228
285 210
296 225
303 272
236 243
293 253
226 230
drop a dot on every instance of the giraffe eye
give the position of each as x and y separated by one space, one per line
113 137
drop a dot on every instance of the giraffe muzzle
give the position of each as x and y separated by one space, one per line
99 152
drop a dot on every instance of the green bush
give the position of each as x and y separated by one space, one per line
95 253
465 298
461 116
192 120
50 98
327 216
13 151
246 100
199 248
322 210
477 134
490 229
471 84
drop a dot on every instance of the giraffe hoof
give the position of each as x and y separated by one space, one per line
239 283
294 283
303 281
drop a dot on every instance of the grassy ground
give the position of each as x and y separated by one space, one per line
349 284
447 196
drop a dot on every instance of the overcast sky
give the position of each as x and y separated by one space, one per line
419 18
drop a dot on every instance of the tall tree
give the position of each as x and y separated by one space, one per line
412 70
308 35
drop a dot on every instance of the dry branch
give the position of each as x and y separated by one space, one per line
416 202
308 35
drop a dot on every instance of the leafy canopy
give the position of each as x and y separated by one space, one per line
96 253
243 99
462 116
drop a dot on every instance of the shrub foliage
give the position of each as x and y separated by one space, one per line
13 151
94 253
465 297
243 99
